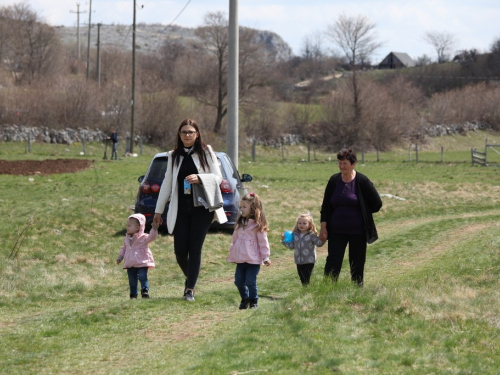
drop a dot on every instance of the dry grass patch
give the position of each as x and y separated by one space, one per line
201 324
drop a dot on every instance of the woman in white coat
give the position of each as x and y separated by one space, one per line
188 222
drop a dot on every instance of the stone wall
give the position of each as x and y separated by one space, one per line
67 136
440 130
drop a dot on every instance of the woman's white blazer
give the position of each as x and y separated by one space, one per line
169 187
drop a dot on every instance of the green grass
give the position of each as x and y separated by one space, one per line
430 305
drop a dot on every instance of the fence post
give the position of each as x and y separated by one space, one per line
127 145
409 153
282 151
83 146
308 150
378 156
29 143
472 155
362 154
416 153
254 143
442 154
486 151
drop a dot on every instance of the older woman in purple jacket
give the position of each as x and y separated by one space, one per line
349 201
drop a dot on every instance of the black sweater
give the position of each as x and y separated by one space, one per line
369 201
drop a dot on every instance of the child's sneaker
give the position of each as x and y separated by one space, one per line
144 293
253 304
244 304
189 295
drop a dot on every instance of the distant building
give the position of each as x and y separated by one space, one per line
396 60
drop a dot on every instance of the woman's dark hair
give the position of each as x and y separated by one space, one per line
199 147
347 154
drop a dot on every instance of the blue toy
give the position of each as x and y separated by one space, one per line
288 236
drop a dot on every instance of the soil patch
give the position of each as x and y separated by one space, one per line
43 167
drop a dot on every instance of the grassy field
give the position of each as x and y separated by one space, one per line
430 305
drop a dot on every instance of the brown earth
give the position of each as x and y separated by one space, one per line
43 167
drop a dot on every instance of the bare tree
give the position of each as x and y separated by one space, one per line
254 67
30 48
215 37
206 79
442 42
423 60
171 53
314 54
357 38
494 57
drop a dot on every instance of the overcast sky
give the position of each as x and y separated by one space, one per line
400 23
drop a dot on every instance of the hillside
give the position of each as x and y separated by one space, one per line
151 37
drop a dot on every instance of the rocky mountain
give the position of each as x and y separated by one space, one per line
150 37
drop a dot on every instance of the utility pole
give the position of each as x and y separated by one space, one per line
99 54
88 42
78 28
232 84
132 102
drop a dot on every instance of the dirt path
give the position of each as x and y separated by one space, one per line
43 167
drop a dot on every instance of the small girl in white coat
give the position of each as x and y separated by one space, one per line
305 240
136 255
249 249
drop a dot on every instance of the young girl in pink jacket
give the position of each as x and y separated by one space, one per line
136 255
249 249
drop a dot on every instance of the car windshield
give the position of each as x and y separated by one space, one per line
222 170
236 175
158 168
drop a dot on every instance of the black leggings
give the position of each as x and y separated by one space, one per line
305 271
337 244
191 227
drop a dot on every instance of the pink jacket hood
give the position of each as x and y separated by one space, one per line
142 223
138 254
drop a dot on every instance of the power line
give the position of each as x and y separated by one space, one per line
182 10
170 24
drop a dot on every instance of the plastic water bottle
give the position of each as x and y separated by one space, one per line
288 236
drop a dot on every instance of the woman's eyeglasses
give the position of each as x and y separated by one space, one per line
189 133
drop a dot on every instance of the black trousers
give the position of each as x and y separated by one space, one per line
191 227
305 271
337 244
